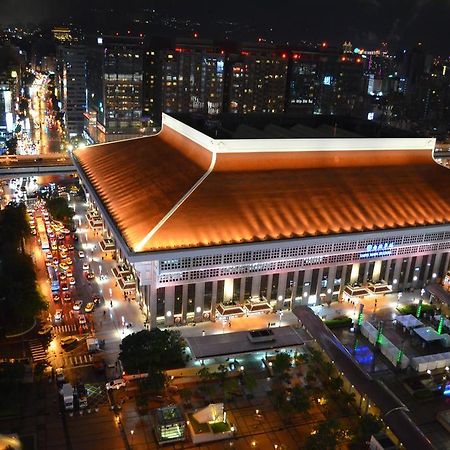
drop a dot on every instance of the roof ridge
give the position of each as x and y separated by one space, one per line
172 211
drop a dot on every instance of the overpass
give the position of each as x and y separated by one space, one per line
32 165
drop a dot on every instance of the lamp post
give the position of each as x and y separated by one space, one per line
132 434
399 296
281 315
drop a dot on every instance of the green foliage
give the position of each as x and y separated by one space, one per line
205 374
412 309
249 382
281 364
339 322
327 436
368 425
156 380
59 209
148 351
300 400
20 300
186 395
219 427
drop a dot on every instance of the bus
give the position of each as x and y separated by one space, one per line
42 233
53 279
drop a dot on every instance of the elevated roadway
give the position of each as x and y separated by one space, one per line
22 165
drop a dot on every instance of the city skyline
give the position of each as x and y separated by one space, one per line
367 23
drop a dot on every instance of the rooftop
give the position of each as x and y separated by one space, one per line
183 189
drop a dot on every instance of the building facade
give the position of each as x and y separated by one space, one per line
256 253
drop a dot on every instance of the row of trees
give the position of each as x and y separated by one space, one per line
20 299
321 381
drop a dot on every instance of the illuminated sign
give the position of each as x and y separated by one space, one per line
377 250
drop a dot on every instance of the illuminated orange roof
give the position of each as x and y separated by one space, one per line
147 187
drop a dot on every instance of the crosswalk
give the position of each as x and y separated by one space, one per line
65 328
37 351
79 360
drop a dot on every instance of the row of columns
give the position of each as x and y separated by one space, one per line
304 294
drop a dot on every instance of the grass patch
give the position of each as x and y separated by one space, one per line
197 426
339 322
219 427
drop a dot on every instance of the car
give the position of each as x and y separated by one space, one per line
69 261
72 281
81 254
49 255
69 274
82 319
96 299
62 276
77 305
55 261
90 276
64 287
68 340
46 329
33 232
60 378
48 263
67 297
54 246
86 267
65 231
62 254
60 236
56 298
58 315
70 247
64 266
116 384
89 307
62 248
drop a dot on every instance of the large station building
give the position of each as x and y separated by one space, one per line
208 227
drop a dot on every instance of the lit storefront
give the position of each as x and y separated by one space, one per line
209 226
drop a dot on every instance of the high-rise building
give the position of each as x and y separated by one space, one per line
72 76
256 80
183 76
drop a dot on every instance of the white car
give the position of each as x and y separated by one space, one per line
77 305
58 315
85 266
81 254
116 384
82 319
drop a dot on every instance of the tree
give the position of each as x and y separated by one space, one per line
368 425
156 380
186 396
281 364
204 374
250 383
326 437
59 209
151 350
300 400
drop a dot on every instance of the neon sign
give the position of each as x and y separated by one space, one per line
375 251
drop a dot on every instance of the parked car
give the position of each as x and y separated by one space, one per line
58 315
82 319
116 384
96 299
90 276
56 298
67 297
81 254
72 281
86 267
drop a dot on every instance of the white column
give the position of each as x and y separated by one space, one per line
319 286
376 270
269 287
354 274
199 301
306 289
366 272
256 285
169 305
228 289
397 269
385 275
426 273
437 263
406 274
417 265
330 283
343 278
281 290
213 300
184 302
150 298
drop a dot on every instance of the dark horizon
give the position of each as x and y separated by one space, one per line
367 23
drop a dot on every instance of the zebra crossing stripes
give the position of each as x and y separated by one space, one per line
65 328
79 360
37 351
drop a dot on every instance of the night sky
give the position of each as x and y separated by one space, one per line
365 22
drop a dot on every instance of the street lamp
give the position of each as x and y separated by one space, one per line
132 434
281 315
